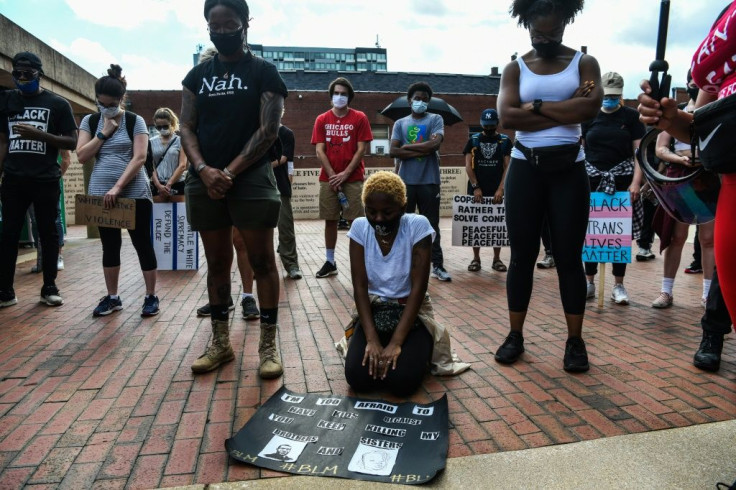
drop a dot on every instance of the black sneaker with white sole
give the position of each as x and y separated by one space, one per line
250 309
7 298
207 311
50 296
329 269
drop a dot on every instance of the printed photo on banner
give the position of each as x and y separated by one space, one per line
478 224
608 239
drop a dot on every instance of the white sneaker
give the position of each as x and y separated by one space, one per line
619 295
664 300
60 263
441 274
591 291
547 262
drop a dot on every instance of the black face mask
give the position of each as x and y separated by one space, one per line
693 92
548 49
489 131
228 43
385 228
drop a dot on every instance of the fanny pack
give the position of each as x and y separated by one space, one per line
551 159
712 134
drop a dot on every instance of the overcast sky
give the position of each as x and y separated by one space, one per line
153 40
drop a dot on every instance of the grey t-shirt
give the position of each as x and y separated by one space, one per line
113 158
165 169
407 130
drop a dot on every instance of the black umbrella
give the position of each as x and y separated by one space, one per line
400 108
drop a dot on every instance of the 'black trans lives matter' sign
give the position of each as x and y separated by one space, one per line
345 437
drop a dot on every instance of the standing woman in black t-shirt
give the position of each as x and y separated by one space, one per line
230 116
611 140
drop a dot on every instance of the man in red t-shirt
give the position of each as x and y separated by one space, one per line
341 136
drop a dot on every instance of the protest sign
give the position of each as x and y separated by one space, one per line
175 243
346 437
481 224
609 229
91 211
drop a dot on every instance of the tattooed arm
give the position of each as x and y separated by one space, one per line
214 179
272 105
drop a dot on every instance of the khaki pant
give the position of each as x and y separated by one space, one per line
287 238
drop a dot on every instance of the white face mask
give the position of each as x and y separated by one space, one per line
165 132
109 112
339 101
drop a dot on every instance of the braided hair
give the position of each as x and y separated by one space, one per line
112 84
528 10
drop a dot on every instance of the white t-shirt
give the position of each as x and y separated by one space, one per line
390 276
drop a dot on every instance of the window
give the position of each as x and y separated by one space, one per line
381 139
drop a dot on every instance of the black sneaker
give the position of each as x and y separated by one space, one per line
694 268
50 296
108 305
329 269
250 310
207 311
708 356
7 298
150 306
511 348
576 356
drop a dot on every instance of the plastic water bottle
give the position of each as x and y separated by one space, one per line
343 200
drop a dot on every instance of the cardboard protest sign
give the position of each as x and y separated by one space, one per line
609 229
175 243
346 437
90 210
481 224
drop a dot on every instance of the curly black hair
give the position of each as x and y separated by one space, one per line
528 10
419 87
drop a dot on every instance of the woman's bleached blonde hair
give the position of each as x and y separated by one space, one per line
386 182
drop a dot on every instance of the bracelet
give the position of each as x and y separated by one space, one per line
200 167
228 173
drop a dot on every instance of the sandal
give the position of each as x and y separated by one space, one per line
498 266
474 266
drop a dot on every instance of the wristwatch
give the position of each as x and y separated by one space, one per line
537 106
474 186
228 173
200 167
102 136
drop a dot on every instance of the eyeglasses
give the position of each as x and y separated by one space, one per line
163 126
226 29
18 74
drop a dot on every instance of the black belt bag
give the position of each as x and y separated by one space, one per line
551 159
713 130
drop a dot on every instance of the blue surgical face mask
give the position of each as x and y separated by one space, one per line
29 87
610 104
419 106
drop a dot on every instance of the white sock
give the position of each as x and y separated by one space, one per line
330 253
667 284
246 295
706 287
114 296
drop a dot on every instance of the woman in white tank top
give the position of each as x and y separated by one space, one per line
544 97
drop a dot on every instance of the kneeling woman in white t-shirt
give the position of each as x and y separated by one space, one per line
393 337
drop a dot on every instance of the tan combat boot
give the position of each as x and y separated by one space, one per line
270 366
218 351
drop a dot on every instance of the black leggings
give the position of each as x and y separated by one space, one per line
565 200
410 367
112 239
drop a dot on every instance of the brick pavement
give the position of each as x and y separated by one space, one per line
111 402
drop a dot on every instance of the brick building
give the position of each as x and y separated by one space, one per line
308 98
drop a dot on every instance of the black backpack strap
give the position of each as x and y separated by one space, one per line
94 120
130 118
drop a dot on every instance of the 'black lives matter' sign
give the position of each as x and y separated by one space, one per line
345 437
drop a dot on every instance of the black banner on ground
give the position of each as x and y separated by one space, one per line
345 437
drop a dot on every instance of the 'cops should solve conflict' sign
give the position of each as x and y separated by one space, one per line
609 229
478 224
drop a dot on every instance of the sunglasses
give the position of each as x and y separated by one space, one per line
159 128
18 74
